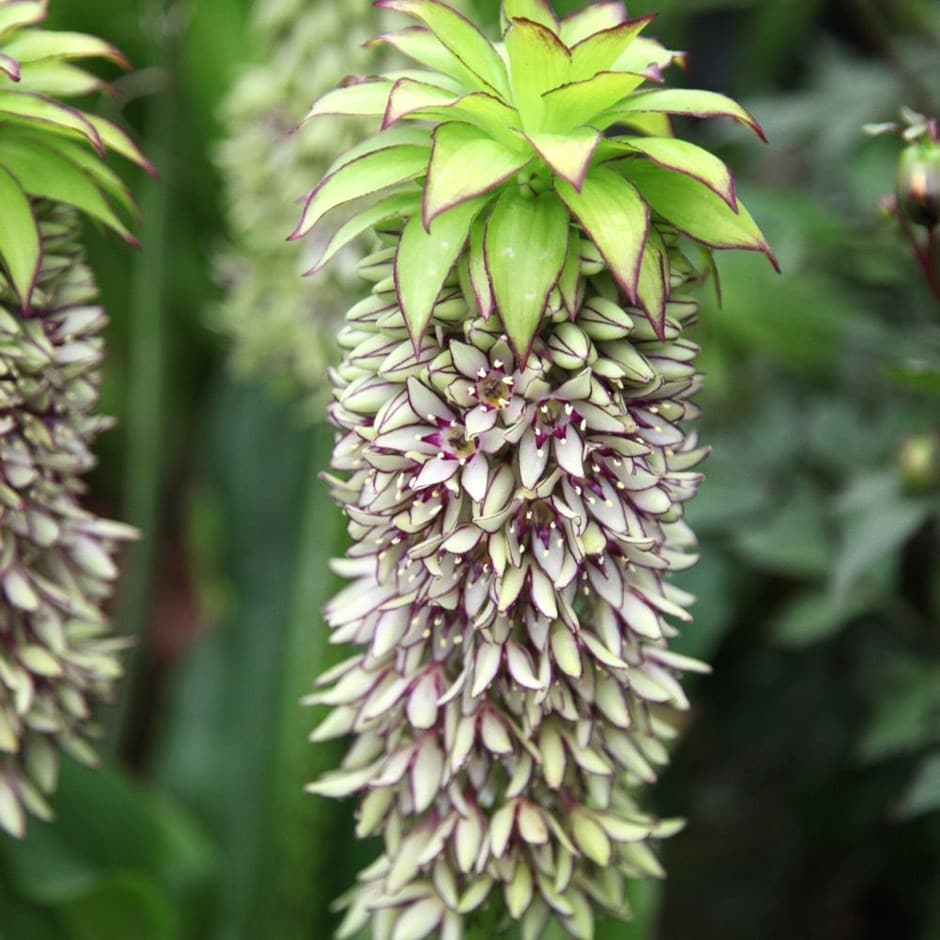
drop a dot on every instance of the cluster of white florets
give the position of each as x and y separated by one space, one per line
513 527
56 567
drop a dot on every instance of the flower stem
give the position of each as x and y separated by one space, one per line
145 415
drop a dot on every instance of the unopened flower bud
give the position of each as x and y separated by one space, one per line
918 184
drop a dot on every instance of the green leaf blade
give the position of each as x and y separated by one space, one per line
525 246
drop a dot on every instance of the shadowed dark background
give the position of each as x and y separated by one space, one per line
809 766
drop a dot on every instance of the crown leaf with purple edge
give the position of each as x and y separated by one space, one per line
559 110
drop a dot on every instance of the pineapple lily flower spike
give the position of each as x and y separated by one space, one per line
512 463
56 565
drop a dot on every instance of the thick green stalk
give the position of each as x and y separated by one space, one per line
145 418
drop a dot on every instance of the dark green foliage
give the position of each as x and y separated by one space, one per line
809 767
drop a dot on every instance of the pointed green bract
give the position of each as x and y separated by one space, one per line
369 97
567 155
400 205
697 211
526 243
48 174
465 163
425 258
476 270
362 177
537 11
539 61
408 96
461 38
577 103
38 45
687 158
691 102
615 218
19 237
601 50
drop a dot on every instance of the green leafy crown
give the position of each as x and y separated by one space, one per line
502 145
49 149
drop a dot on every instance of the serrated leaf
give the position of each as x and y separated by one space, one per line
460 37
525 245
409 96
367 98
567 155
400 204
368 174
425 258
615 218
594 18
19 236
695 210
45 114
14 16
465 163
691 103
681 156
577 103
36 45
46 173
538 62
599 51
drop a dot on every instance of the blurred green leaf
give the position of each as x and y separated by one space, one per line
923 794
812 617
119 907
793 541
906 714
872 534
